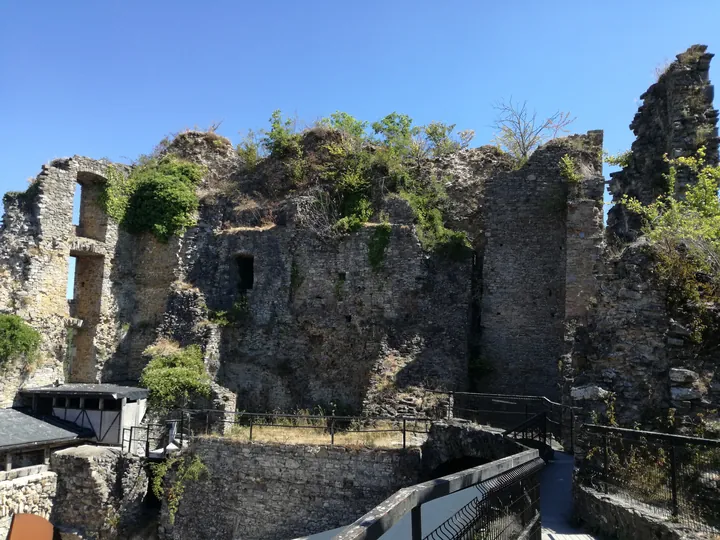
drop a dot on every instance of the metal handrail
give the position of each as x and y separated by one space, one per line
654 435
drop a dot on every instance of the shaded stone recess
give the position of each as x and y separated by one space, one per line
99 492
676 118
265 491
32 494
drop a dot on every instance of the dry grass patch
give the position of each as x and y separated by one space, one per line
384 435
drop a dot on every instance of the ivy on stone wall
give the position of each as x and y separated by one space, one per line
174 375
158 196
186 469
377 245
17 340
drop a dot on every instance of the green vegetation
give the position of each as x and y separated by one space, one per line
377 245
17 339
249 150
569 170
618 160
353 172
158 196
174 376
685 234
187 469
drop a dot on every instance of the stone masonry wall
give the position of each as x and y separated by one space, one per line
99 492
625 349
274 492
31 494
524 270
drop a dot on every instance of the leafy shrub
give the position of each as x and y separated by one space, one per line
569 170
158 196
618 160
249 150
17 339
685 234
174 376
347 124
281 141
441 141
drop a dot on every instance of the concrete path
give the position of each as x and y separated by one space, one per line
556 503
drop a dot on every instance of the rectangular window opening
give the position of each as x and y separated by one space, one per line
76 204
73 403
246 277
70 289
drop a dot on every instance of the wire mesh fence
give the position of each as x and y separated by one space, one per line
673 476
305 428
507 507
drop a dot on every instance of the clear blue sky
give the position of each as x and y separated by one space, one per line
110 78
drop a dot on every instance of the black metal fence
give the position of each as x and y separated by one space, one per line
401 431
507 508
509 411
674 476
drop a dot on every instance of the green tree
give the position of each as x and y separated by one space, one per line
175 376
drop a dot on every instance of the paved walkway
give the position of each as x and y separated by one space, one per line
556 502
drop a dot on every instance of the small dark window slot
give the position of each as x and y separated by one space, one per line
246 275
73 403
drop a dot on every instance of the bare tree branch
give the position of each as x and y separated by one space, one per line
520 132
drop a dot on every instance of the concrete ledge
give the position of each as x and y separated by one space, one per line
618 518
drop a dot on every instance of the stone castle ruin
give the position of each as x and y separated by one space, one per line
534 307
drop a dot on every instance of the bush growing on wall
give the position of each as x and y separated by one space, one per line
17 339
686 238
174 376
158 196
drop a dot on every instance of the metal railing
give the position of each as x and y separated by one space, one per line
671 475
319 428
508 505
507 411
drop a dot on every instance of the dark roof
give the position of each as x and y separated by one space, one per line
20 429
112 391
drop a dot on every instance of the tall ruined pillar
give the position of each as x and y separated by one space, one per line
676 118
542 231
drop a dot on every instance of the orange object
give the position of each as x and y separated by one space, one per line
30 527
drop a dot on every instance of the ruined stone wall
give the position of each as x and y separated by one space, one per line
36 240
265 491
676 118
321 325
32 494
527 244
99 492
627 356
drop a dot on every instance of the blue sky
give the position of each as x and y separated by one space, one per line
110 78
